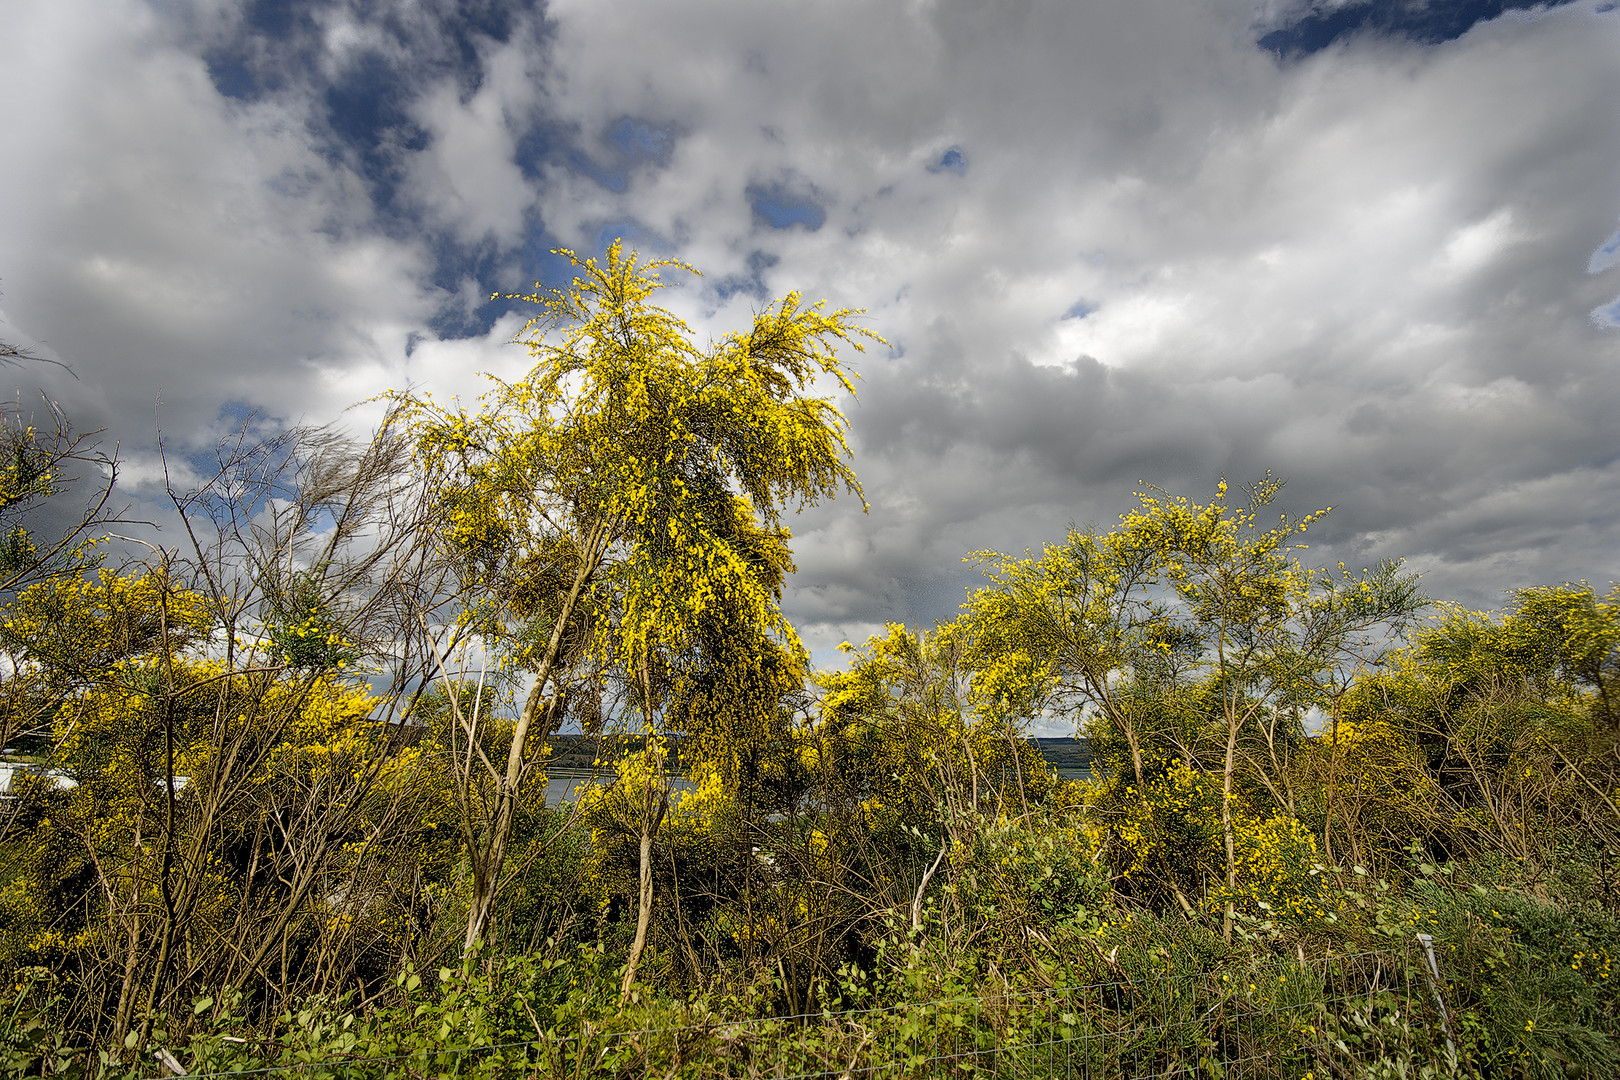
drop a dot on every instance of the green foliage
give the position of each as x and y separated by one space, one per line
38 466
908 735
303 633
30 1042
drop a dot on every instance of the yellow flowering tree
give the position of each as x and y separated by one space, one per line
63 634
1490 732
734 690
202 811
72 631
1569 633
40 465
1181 597
222 789
590 503
906 746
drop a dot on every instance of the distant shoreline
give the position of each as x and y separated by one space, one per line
591 755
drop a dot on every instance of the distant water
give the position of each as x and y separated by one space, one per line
564 785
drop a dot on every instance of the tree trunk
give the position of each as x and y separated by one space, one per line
650 825
922 886
1232 722
1119 714
486 864
126 992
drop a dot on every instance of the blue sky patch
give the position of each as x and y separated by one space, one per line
951 161
1426 22
490 269
615 180
780 208
231 76
638 140
369 104
752 283
1080 310
545 141
279 46
628 143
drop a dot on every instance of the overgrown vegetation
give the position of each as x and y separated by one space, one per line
287 804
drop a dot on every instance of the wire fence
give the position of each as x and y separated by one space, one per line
1286 1019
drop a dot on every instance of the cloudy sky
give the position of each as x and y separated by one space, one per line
1370 246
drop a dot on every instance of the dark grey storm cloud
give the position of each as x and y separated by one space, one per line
1369 246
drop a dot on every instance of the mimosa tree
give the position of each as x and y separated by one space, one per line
591 504
1202 598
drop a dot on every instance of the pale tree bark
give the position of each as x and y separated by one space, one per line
922 886
489 857
1227 832
651 820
